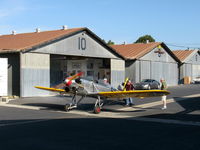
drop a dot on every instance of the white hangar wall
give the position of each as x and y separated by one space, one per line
80 44
35 71
4 77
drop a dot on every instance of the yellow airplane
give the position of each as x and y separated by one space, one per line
76 85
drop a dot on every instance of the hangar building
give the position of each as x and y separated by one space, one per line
190 63
46 58
149 61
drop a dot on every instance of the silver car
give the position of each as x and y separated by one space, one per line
147 84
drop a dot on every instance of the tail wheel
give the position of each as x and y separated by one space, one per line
97 109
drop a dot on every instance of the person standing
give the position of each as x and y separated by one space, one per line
128 87
164 97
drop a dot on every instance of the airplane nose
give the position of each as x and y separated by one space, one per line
68 83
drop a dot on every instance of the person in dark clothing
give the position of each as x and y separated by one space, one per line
128 87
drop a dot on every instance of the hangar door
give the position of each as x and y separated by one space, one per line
117 72
3 77
195 71
35 71
168 71
145 71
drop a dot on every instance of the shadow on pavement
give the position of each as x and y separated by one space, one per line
190 105
97 134
191 111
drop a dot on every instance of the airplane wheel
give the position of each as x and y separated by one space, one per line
97 110
66 107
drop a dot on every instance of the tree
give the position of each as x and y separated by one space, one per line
103 40
143 39
110 42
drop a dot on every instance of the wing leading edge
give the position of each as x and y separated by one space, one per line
50 89
118 94
134 93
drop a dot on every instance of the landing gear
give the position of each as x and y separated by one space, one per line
98 106
69 107
97 109
73 104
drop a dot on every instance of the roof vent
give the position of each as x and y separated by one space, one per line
64 27
13 32
37 30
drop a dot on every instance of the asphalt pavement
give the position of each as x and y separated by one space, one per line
41 123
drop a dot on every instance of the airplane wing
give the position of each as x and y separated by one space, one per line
118 94
133 93
50 89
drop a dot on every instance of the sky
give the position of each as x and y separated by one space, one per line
174 22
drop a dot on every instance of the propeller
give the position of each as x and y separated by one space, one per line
68 81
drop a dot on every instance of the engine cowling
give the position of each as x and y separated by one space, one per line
67 89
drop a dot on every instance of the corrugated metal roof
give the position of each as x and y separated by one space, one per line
24 41
182 54
135 51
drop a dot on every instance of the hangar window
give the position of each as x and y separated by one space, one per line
76 65
90 65
90 73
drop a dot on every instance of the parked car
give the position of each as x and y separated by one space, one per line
147 84
196 80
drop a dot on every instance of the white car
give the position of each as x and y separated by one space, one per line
196 80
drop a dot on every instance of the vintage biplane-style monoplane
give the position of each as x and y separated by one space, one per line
80 86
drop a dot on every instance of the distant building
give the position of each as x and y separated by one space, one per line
190 64
149 61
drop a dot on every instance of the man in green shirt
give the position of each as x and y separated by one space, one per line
164 97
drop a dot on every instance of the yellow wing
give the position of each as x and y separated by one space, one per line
50 89
134 93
